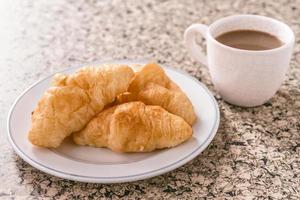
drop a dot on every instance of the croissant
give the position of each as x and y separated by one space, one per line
73 100
134 127
152 86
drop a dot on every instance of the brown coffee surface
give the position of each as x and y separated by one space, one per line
249 40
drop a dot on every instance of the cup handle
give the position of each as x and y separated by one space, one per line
190 41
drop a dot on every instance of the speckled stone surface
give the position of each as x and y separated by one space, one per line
256 152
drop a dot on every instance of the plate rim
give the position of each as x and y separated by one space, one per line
119 179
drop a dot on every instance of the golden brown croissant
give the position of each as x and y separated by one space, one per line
134 127
152 86
73 100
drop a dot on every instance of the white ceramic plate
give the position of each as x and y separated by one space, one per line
99 165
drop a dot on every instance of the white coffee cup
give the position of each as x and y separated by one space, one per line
243 77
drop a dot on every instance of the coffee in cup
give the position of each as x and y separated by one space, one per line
247 56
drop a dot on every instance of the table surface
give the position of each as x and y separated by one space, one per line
256 152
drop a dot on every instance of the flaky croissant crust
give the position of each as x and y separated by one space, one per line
153 87
73 100
134 127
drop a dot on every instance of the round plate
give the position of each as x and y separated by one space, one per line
99 165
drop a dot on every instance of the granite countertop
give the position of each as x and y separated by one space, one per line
256 152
